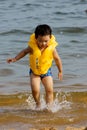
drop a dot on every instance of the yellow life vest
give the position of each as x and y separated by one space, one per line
40 62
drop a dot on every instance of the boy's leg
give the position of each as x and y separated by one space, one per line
35 86
48 84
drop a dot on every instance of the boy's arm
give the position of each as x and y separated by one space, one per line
20 55
58 64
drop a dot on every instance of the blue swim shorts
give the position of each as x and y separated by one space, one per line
49 73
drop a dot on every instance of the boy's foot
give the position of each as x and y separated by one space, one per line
38 106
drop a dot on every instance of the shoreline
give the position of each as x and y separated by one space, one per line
67 128
51 128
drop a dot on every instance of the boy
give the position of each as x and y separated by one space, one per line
41 48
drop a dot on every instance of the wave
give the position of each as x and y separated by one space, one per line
5 72
57 29
63 13
34 4
14 99
15 31
19 98
70 30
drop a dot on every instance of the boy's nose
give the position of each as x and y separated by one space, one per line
44 43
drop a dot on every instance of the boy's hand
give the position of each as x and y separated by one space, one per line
60 75
11 60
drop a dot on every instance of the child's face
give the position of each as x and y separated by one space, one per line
42 41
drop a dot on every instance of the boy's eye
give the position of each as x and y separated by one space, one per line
42 41
46 41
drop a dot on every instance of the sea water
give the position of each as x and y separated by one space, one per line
68 20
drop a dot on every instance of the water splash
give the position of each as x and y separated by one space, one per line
60 102
31 103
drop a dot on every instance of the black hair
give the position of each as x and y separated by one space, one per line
43 30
